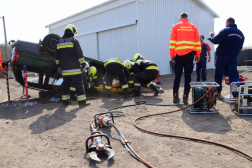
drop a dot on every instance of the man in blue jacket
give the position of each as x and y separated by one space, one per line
230 40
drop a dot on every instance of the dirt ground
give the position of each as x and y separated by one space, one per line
50 135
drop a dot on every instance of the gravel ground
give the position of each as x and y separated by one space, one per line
50 135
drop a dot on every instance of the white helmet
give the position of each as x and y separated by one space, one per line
128 64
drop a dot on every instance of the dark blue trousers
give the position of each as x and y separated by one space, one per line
113 69
77 82
228 64
201 65
183 62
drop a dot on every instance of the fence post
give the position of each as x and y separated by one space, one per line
5 64
26 84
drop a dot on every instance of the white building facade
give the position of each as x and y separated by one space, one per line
122 28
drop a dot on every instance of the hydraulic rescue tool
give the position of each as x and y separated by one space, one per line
241 104
98 148
103 120
208 102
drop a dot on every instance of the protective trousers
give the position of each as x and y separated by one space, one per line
145 78
77 82
84 77
201 65
183 62
115 69
228 64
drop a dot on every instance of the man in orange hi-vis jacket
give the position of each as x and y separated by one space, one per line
184 44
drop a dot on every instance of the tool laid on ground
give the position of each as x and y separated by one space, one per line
208 102
202 92
103 120
143 102
98 148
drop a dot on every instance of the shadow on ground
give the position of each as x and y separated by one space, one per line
211 123
49 122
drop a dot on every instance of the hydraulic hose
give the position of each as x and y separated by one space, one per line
200 105
184 137
126 144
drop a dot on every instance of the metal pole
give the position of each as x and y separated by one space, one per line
5 38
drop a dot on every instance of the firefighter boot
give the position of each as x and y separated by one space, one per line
83 104
137 91
126 95
155 89
185 97
160 89
175 97
66 103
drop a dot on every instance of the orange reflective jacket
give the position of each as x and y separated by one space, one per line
184 39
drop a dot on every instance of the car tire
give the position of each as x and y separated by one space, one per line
50 43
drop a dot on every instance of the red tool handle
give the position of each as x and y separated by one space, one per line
95 137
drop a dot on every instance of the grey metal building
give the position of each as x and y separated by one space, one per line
122 28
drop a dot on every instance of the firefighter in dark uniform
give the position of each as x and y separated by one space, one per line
84 77
115 67
145 72
94 77
70 58
91 78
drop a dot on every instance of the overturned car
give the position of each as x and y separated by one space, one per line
40 58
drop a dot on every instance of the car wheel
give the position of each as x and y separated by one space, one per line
50 43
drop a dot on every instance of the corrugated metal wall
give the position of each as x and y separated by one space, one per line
118 43
156 18
88 44
106 19
150 35
108 39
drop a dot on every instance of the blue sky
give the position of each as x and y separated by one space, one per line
26 19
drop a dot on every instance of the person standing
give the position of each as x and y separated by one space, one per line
230 40
201 65
184 44
70 58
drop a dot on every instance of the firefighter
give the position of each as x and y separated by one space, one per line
90 78
94 77
84 78
115 67
184 44
69 58
145 72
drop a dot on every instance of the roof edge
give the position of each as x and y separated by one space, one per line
201 2
86 10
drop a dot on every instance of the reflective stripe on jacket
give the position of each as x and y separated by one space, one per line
184 39
142 65
113 60
69 56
